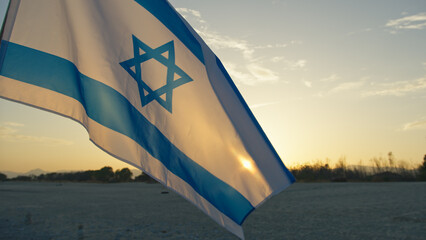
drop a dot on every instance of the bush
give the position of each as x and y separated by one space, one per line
384 170
145 178
23 178
3 177
422 170
123 175
105 174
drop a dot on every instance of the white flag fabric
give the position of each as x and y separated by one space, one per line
149 91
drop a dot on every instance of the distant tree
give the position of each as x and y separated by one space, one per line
22 178
3 177
41 177
51 177
105 174
422 170
85 176
123 175
144 178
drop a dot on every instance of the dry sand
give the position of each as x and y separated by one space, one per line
141 211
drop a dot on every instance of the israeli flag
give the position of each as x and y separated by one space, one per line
149 92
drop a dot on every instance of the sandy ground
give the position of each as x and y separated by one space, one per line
141 211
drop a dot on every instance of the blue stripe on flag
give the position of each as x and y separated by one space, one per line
231 83
168 16
108 107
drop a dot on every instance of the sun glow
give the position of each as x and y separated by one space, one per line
247 163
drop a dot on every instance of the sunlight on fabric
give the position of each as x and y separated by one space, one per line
245 160
246 163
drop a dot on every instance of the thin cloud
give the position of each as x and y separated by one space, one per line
251 74
214 39
262 73
307 84
419 124
343 86
295 64
417 21
219 41
239 76
319 94
281 45
195 13
9 133
4 131
252 70
277 59
13 124
332 78
260 105
189 14
347 86
360 31
400 88
299 64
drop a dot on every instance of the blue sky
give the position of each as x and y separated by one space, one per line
325 79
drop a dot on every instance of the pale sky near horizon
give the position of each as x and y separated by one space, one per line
325 79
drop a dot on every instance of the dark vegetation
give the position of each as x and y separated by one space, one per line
3 177
103 175
422 170
383 170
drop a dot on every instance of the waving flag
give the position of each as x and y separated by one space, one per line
149 91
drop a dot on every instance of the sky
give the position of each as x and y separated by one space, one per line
331 79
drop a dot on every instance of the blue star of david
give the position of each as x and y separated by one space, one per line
172 70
